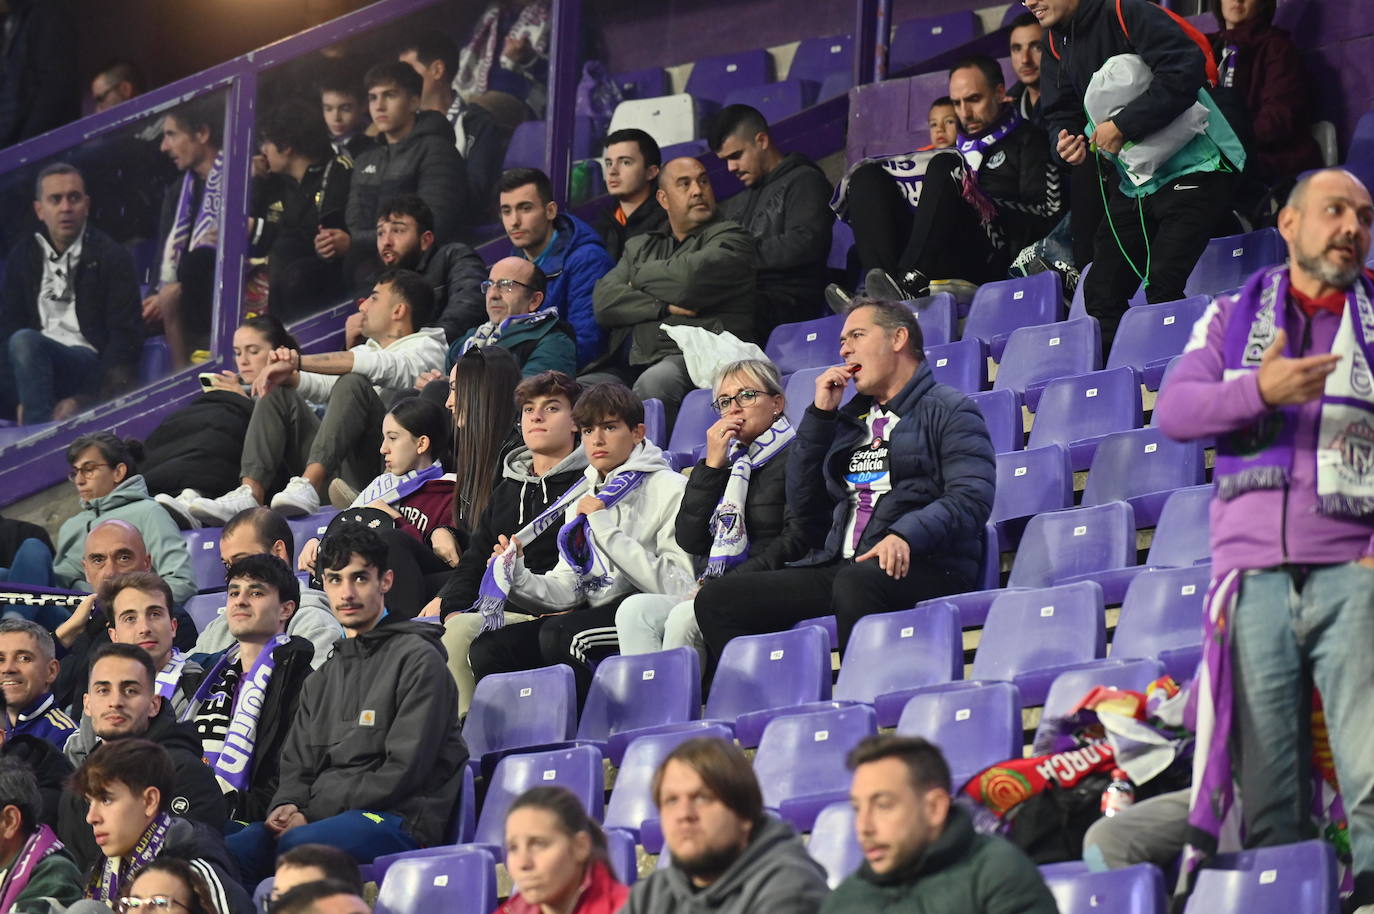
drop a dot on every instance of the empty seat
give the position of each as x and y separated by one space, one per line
828 624
632 802
713 78
694 417
835 84
818 58
1077 308
938 316
1001 411
631 692
690 150
1142 467
668 119
524 708
833 843
1135 889
1037 355
1069 687
1150 335
156 359
1030 634
620 847
759 674
461 881
975 724
800 762
1000 307
962 364
204 608
578 769
801 392
1269 880
841 240
1029 482
206 565
1080 410
1161 617
891 654
651 82
805 344
921 39
1227 262
654 420
775 101
1183 534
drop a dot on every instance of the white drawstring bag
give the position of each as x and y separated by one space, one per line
1116 84
707 353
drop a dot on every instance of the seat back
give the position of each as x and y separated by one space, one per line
901 650
1183 534
1150 335
833 843
1032 481
1037 355
1086 406
802 755
524 708
962 364
578 769
1000 307
938 316
641 690
817 58
801 392
772 670
921 39
975 724
1001 411
306 528
1137 889
1030 632
651 82
714 77
805 344
203 547
1162 612
775 101
1061 544
462 881
620 847
655 419
694 417
1289 877
669 119
1069 687
1140 462
1227 262
204 608
632 799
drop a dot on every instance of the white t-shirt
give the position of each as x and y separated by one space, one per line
869 476
57 293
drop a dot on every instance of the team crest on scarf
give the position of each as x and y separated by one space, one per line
1355 444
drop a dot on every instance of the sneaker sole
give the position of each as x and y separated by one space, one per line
290 508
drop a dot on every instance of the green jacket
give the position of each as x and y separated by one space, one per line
961 873
55 876
539 342
711 271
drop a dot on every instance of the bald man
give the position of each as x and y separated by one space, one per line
699 271
518 320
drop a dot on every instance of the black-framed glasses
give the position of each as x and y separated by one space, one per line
86 470
744 398
505 285
152 903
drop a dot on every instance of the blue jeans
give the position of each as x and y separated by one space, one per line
42 371
32 564
1288 635
365 835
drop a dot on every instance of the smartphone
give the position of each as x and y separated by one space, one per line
207 379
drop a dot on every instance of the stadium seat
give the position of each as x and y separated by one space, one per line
620 847
632 692
962 365
892 654
1142 467
1001 411
827 624
775 101
1077 308
713 78
459 881
759 674
306 528
1227 262
263 893
632 802
1150 335
206 565
1359 160
156 360
1137 889
800 762
917 40
1161 617
1037 355
833 843
204 608
690 150
1000 307
1269 880
651 82
841 240
1029 482
835 84
668 119
526 148
1080 410
800 390
694 417
805 344
1069 687
1030 634
818 58
655 421
578 768
975 724
524 708
938 316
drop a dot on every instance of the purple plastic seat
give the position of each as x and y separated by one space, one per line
526 146
1269 880
917 40
805 344
841 240
524 708
818 58
1162 617
833 843
801 391
890 655
1077 308
1359 160
1030 634
204 608
1069 687
577 768
262 893
759 674
1150 335
938 316
206 565
962 365
975 724
829 625
654 421
1029 482
694 417
305 528
620 847
1079 411
1000 307
775 101
1137 889
631 692
691 149
1001 411
648 83
838 83
632 801
1037 355
800 762
460 881
713 78
1227 262
1142 467
155 361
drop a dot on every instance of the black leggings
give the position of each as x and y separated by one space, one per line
581 639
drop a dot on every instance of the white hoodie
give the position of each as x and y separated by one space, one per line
391 369
637 537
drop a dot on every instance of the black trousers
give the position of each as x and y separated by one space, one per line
1086 193
1178 221
581 639
771 601
417 573
942 238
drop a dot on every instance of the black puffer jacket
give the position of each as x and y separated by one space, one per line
456 273
425 163
198 446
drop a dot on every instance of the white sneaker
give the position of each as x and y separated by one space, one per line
180 511
341 494
298 499
216 511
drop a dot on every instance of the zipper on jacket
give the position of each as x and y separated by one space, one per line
1303 344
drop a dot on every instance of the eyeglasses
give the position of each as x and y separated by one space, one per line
86 470
744 398
151 903
505 285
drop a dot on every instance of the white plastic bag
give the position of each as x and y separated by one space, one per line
1115 85
707 353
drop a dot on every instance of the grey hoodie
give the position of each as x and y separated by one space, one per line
774 875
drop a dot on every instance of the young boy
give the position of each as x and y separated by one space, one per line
344 106
943 123
533 477
129 785
631 165
616 538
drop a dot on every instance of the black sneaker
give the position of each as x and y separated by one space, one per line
838 299
881 285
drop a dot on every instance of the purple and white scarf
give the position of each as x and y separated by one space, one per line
40 845
232 757
488 333
105 882
1226 76
170 677
391 489
730 543
191 231
1261 456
